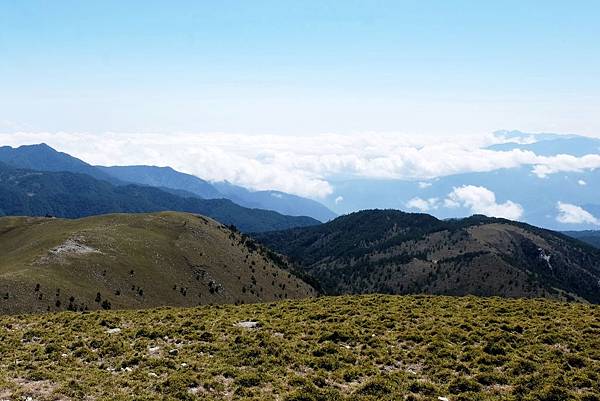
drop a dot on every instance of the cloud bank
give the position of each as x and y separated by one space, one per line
573 214
423 205
479 200
303 165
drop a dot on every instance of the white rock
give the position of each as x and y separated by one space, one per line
113 331
248 324
443 399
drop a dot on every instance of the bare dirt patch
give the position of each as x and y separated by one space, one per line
73 247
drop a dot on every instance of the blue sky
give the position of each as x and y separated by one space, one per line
277 67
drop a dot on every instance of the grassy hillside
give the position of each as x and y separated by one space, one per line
134 261
331 348
388 251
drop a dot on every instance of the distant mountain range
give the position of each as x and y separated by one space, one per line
166 177
135 261
44 158
538 196
550 145
388 251
275 200
65 194
588 236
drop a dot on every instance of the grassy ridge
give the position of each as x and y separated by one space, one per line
332 348
134 261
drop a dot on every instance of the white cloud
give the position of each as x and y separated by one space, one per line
565 163
302 165
481 200
423 185
582 183
423 205
573 214
339 200
451 204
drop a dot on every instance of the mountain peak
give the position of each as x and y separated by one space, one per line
42 157
390 251
41 145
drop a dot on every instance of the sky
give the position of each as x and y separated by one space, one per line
297 96
299 68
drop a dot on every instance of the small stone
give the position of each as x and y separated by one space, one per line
248 324
174 351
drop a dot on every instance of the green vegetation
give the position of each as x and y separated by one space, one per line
42 157
388 251
331 348
135 261
591 237
72 195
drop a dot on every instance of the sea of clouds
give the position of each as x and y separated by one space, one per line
305 165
